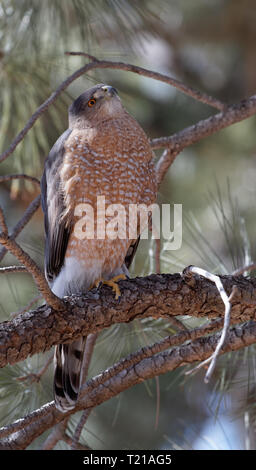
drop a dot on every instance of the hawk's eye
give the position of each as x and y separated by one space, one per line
91 102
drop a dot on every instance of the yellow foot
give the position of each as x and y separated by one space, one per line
112 283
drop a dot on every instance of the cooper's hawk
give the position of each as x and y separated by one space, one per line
104 152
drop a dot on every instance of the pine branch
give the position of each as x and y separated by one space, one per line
165 295
190 135
21 433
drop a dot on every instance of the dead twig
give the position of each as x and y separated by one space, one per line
13 269
227 303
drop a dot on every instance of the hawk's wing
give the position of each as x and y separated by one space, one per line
56 232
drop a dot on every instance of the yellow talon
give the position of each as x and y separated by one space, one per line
112 283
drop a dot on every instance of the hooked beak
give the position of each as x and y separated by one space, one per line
109 91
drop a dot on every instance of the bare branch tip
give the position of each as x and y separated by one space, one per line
3 224
85 54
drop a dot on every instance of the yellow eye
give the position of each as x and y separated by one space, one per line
91 102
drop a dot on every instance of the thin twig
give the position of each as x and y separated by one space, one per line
157 402
240 271
157 255
3 224
27 307
84 54
165 161
31 266
36 377
13 269
56 435
29 212
19 176
227 303
89 347
79 428
178 324
69 441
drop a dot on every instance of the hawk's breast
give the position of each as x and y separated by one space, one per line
113 161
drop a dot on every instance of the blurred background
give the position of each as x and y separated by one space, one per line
208 44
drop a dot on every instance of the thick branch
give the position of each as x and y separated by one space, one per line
192 134
153 296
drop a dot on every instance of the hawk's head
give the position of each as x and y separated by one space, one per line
97 104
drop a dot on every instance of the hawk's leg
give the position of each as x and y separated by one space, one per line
112 283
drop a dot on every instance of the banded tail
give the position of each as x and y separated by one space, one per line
68 362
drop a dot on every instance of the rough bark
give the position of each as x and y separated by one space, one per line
21 433
155 296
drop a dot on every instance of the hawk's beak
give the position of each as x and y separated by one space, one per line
109 91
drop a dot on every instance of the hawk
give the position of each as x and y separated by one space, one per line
104 152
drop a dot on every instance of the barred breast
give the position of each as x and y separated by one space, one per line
115 161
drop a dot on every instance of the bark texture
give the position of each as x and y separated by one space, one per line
164 295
